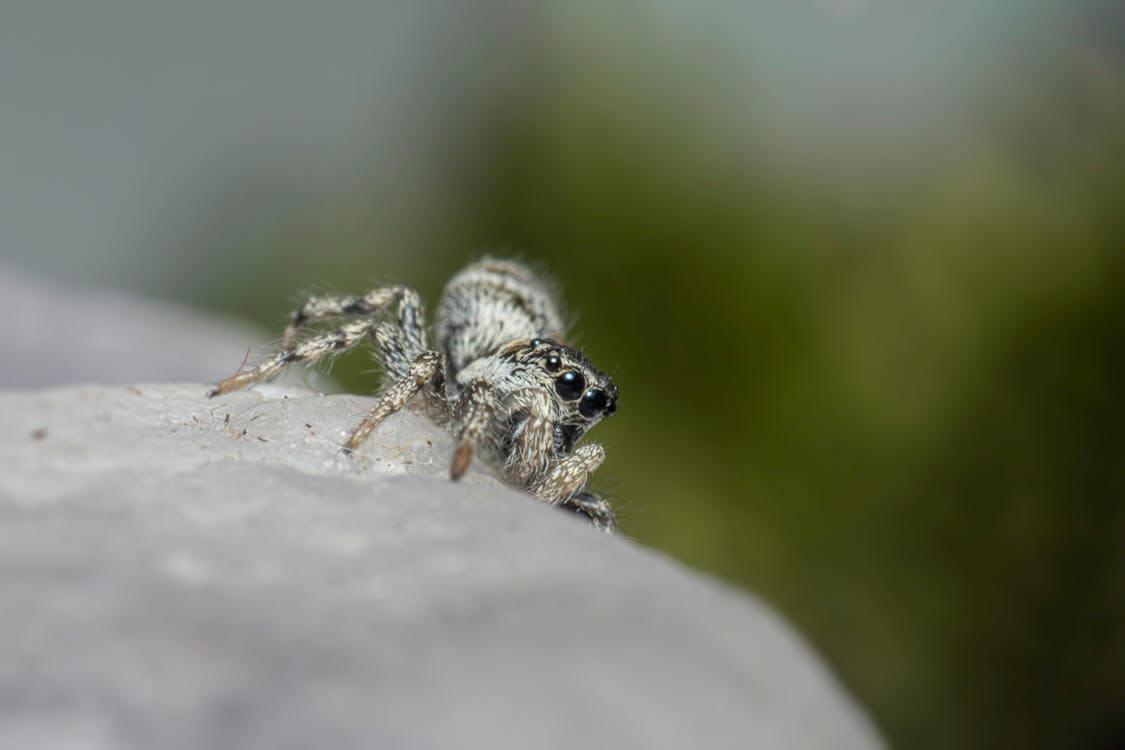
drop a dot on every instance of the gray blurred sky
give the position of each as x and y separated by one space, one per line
126 122
143 140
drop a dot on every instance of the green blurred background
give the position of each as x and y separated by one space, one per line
857 268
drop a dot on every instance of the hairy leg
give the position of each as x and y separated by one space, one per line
564 478
308 351
425 368
594 507
476 409
327 307
532 438
399 344
529 464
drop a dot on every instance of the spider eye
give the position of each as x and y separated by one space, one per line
611 408
553 363
536 342
592 404
570 385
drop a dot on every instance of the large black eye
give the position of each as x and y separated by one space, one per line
570 385
592 404
553 363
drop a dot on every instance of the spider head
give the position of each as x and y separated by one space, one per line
584 393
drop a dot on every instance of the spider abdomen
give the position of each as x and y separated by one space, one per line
491 303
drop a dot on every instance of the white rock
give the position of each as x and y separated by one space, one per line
174 577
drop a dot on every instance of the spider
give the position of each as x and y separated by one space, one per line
499 379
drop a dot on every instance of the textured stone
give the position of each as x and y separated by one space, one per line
184 572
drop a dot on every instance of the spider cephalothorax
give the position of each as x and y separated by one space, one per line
583 393
499 378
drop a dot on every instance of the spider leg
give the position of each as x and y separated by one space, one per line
401 342
594 507
425 368
566 476
308 351
476 409
326 307
533 438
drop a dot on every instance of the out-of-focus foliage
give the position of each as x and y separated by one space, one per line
868 321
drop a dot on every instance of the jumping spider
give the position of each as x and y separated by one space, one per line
499 379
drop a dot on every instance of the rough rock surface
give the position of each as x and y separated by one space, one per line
174 577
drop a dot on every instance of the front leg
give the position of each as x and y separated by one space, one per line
533 463
566 476
475 408
532 438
